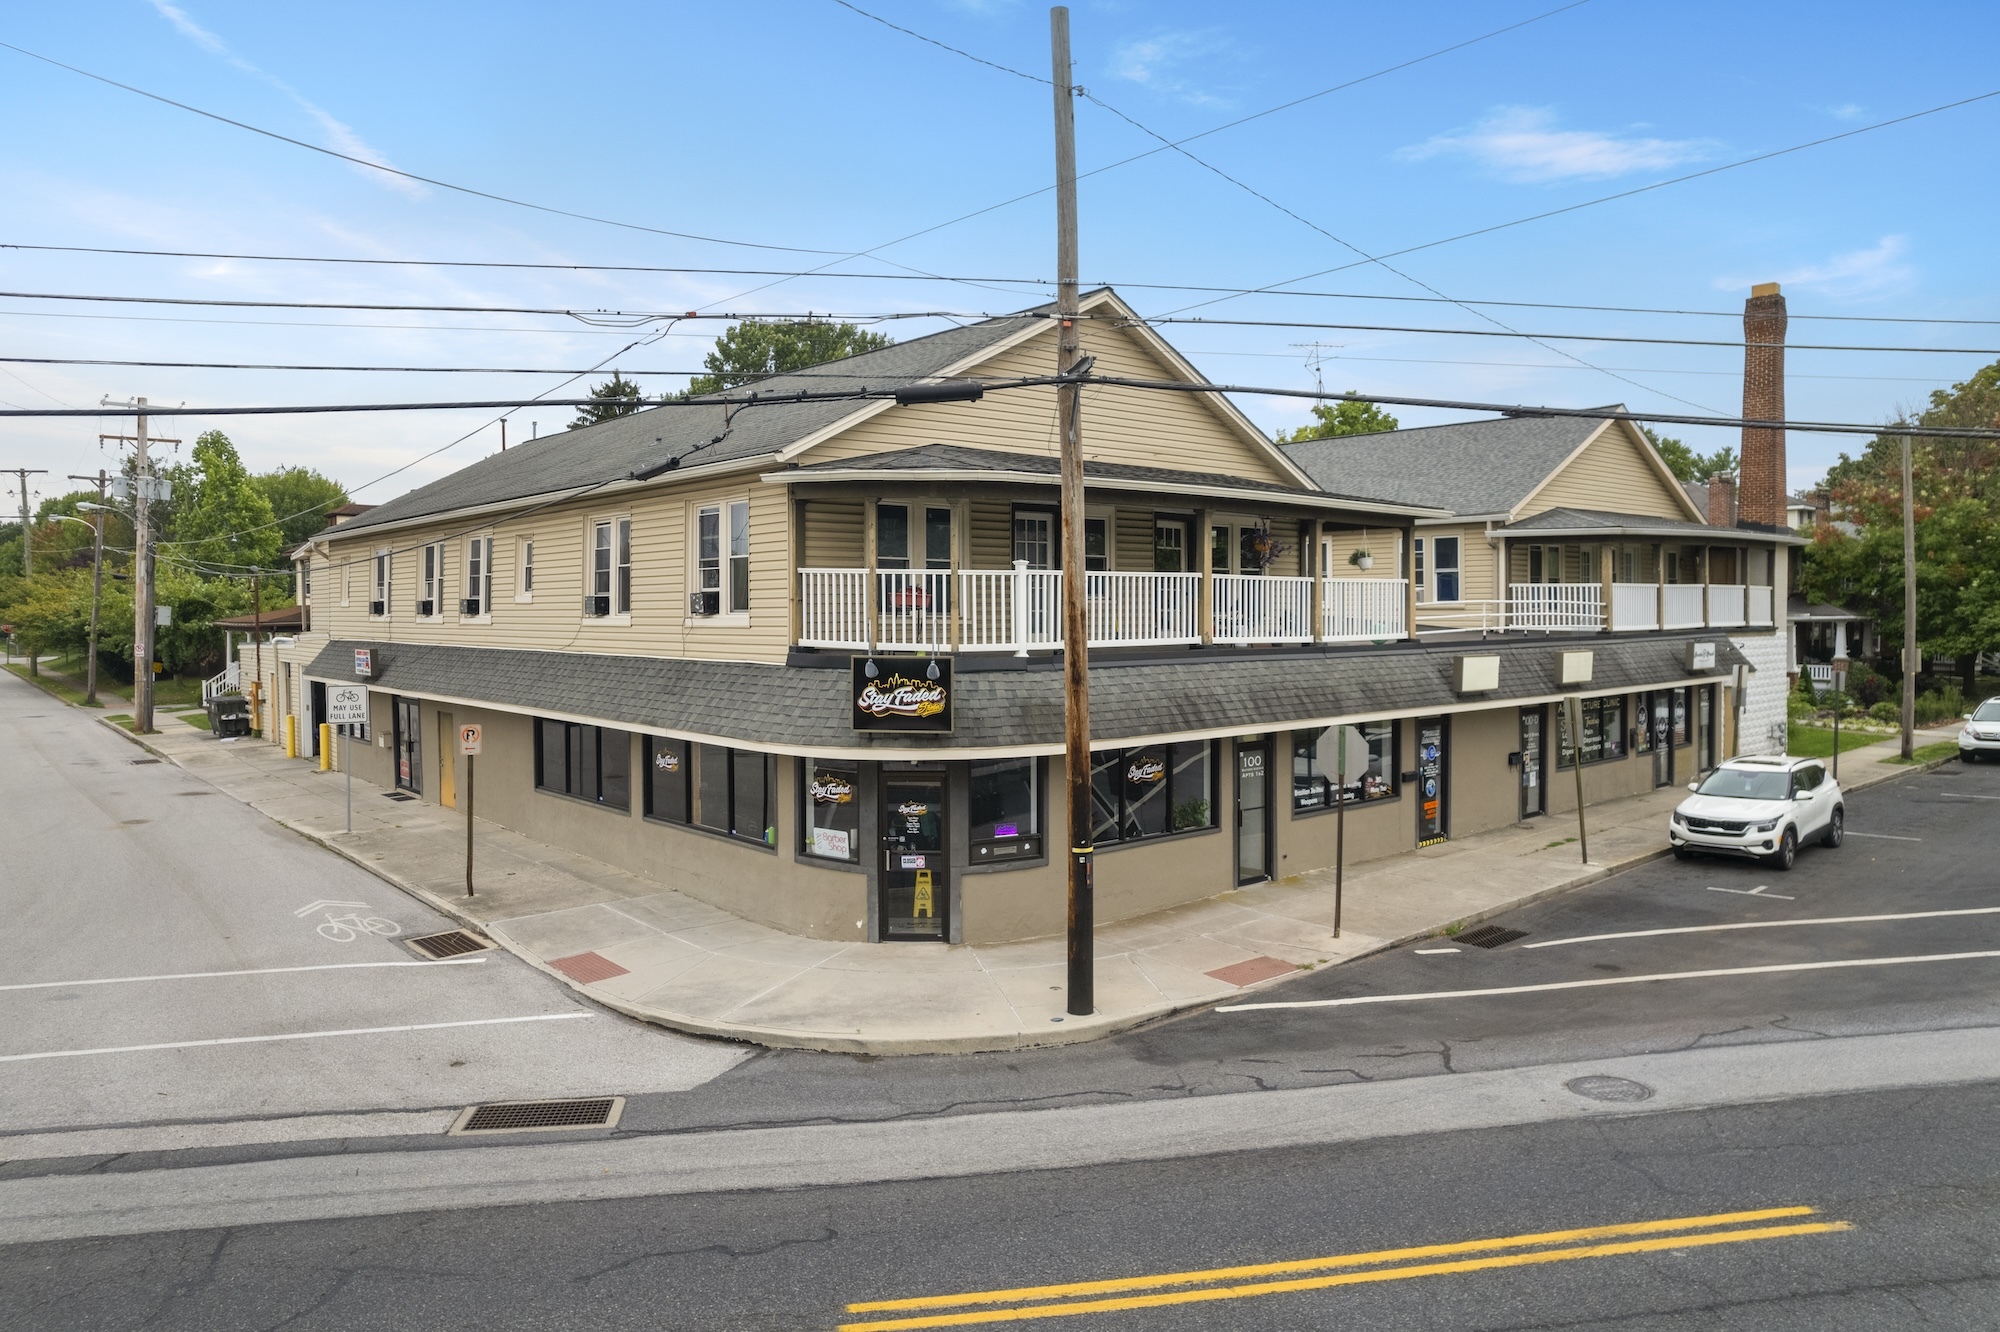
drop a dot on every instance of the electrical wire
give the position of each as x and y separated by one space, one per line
1563 337
637 317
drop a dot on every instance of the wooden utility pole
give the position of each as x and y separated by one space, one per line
1076 633
27 546
1909 608
101 480
257 650
145 489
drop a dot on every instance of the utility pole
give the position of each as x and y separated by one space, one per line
144 487
1076 634
27 546
257 649
101 480
1909 608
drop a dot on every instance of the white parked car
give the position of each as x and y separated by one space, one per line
1981 733
1764 808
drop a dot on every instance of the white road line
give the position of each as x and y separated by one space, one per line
1957 795
1427 952
288 1036
1611 980
1883 837
1761 890
259 971
1766 925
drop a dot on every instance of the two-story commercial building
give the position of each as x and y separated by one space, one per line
800 659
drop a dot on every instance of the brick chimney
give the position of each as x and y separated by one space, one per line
1722 502
1762 470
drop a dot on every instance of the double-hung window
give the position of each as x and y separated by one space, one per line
610 587
1444 568
478 599
721 559
1423 586
526 590
378 604
430 583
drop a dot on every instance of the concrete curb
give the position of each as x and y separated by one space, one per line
1073 1031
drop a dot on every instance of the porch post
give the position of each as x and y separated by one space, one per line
1311 565
1204 556
1707 581
1607 560
869 591
798 549
1409 558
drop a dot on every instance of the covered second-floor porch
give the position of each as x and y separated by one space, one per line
950 549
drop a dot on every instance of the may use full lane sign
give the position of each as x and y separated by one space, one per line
906 694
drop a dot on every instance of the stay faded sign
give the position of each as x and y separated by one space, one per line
907 694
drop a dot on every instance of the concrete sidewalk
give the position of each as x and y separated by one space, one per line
656 954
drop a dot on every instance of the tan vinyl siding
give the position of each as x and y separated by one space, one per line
1155 429
834 530
992 540
1132 542
1609 474
1478 562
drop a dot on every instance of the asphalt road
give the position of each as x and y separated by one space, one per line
393 1226
118 870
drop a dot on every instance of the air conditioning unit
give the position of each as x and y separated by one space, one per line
426 609
704 603
597 605
378 608
469 606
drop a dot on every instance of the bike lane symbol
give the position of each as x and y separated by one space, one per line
347 926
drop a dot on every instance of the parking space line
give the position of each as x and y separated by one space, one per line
255 971
1883 837
1960 795
1595 982
1765 925
288 1036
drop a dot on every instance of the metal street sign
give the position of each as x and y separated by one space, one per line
347 705
364 661
468 740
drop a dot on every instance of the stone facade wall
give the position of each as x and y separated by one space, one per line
1762 727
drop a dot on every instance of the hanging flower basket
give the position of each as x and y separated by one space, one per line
1262 547
1362 559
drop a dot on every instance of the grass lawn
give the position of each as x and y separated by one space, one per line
60 687
199 720
1817 741
171 692
1926 753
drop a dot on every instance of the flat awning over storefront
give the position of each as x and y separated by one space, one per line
1012 710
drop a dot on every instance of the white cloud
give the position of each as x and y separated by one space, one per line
334 133
1156 62
1522 143
1845 111
1868 272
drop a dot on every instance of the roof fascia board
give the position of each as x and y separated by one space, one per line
1310 498
499 509
1467 518
1713 536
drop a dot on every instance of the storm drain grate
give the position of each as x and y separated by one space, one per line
448 944
397 795
517 1116
1489 936
140 763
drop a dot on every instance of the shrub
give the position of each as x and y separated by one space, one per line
1886 712
1936 705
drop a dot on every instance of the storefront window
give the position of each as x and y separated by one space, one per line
589 762
1006 797
733 793
1152 792
667 779
1371 765
833 810
1603 731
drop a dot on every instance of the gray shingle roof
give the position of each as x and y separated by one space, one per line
794 709
616 448
1474 467
1697 493
958 458
1572 520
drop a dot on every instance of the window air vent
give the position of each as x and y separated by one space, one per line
704 603
597 605
426 609
469 606
377 608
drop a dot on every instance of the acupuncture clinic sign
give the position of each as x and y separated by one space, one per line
906 694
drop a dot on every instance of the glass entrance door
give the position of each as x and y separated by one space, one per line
915 894
1430 781
1704 730
1663 737
409 746
1532 797
1253 810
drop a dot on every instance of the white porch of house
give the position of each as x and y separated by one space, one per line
1020 609
1581 608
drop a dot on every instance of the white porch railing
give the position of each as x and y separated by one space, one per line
913 610
1010 610
1725 605
229 680
1362 610
1635 606
1143 609
833 608
1550 606
1760 606
1259 608
1681 606
1454 617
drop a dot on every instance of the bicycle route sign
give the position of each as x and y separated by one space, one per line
347 705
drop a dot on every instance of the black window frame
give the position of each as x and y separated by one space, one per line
585 776
699 759
661 805
1321 775
1022 846
1594 708
1120 762
810 771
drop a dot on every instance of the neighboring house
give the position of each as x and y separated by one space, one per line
1566 524
688 632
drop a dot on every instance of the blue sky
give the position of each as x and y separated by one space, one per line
800 123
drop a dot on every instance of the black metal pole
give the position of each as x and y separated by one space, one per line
1339 826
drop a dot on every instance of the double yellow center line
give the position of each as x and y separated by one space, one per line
1236 1283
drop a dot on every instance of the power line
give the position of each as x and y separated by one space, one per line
924 277
606 316
407 175
1561 337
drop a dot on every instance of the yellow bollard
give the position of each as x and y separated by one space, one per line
326 746
291 736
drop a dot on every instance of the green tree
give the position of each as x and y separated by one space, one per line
1346 417
226 521
615 397
1686 464
300 500
757 349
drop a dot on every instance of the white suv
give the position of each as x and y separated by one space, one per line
1981 735
1764 808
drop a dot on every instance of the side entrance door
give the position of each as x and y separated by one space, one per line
315 714
1533 800
915 889
1431 794
409 746
1253 810
447 761
1663 737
